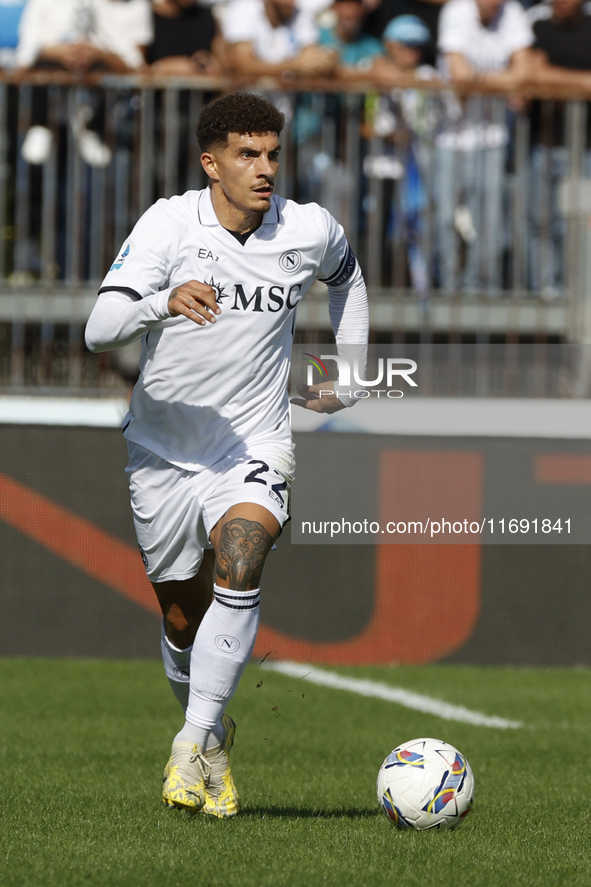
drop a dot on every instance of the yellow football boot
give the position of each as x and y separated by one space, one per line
185 776
221 797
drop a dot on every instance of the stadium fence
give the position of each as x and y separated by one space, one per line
470 219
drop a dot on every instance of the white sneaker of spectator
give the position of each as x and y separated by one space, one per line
37 145
92 149
383 166
464 224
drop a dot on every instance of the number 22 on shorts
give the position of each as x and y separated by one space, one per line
253 478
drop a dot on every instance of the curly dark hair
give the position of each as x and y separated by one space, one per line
239 112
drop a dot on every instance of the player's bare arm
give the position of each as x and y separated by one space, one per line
311 61
196 301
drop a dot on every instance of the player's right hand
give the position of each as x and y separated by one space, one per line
195 300
320 398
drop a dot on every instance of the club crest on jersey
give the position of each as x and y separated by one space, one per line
120 259
290 260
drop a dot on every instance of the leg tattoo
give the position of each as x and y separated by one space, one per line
243 548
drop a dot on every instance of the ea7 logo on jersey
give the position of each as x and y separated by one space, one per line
206 254
290 261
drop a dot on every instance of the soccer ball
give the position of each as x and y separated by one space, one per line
426 783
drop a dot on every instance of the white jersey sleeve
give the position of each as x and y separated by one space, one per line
347 293
134 294
144 263
338 260
340 271
119 318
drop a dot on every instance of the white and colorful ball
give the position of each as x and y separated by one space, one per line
426 783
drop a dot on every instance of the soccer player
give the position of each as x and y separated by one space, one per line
211 280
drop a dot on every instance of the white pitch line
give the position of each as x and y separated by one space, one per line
427 704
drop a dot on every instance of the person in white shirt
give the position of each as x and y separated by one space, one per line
211 280
488 43
274 38
78 35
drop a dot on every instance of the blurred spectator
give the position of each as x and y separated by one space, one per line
400 117
274 38
485 41
314 7
79 36
186 40
427 11
562 31
10 16
356 50
562 46
405 39
84 35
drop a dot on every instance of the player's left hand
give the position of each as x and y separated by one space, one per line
320 398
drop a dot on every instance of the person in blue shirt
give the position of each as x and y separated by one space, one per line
406 39
10 16
356 50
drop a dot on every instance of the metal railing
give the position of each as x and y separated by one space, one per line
469 220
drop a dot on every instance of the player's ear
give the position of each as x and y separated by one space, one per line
208 162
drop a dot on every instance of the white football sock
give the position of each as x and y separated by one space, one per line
177 667
222 647
191 733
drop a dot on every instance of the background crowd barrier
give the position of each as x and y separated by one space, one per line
470 219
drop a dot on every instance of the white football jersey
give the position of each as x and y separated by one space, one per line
207 390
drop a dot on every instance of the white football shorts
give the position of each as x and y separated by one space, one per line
174 510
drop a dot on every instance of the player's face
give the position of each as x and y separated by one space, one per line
246 169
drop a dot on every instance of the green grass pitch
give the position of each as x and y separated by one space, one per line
83 745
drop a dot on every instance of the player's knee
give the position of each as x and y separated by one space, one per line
242 573
241 549
182 624
176 619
